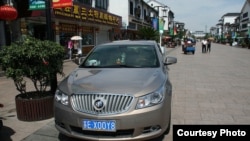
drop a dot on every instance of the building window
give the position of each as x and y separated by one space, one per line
245 15
101 4
87 35
244 26
131 8
88 39
138 12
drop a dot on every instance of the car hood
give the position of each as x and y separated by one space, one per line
136 81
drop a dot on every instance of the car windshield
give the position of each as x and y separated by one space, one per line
113 56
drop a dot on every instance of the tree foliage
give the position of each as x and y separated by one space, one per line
148 33
34 59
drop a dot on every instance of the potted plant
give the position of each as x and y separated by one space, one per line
35 60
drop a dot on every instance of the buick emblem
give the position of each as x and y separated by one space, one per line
99 104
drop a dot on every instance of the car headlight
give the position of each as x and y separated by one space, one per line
151 99
61 97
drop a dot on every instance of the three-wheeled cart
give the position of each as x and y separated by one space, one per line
189 47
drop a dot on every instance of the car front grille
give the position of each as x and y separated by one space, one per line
101 104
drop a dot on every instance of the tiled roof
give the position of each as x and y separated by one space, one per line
231 14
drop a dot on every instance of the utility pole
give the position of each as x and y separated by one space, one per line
53 75
48 19
2 29
2 34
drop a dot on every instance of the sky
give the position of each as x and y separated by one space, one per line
201 15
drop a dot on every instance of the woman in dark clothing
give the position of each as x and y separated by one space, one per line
208 46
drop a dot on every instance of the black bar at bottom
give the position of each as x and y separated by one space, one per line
211 132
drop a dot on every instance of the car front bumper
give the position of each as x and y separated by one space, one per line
138 124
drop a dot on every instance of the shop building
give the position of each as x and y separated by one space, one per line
90 20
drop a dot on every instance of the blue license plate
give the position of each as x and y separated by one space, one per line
99 125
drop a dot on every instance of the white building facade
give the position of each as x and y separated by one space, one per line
135 15
223 27
245 19
199 34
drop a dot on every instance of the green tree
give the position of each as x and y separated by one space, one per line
34 59
148 33
22 7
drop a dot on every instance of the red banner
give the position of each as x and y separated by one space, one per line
175 31
62 3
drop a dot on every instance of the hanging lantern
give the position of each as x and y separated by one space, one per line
8 12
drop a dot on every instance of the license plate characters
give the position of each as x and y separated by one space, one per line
99 125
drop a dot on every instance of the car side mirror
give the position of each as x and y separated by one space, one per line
81 59
170 60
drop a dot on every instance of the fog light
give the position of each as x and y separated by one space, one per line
60 124
154 128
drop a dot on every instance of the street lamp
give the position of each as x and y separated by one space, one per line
165 11
161 28
53 75
2 34
162 14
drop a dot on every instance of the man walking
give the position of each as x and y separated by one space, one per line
204 45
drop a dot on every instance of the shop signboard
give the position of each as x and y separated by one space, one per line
87 14
36 4
61 3
40 4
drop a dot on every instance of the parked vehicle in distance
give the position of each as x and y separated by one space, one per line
189 47
171 44
121 91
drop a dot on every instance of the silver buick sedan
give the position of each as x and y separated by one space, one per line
121 91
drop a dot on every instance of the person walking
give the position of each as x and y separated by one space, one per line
208 45
70 47
204 45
